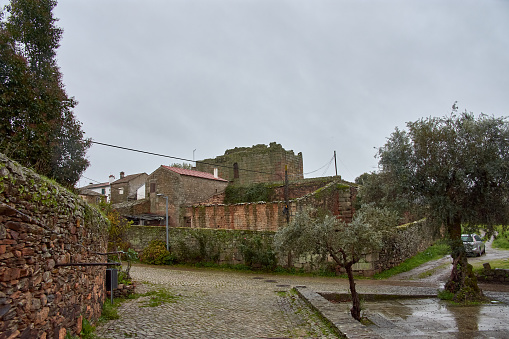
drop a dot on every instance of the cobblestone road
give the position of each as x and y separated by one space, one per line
214 304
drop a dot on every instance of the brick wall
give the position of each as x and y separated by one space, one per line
266 164
43 226
336 197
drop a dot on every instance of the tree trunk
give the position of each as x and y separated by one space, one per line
356 304
462 281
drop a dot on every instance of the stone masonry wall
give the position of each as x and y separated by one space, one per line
407 241
42 228
256 164
489 275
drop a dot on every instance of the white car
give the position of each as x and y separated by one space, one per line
473 244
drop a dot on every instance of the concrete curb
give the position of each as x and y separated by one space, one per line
340 319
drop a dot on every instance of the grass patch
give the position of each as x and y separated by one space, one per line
429 273
158 297
501 241
445 295
497 263
434 252
110 311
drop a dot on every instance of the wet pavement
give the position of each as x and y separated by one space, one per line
217 304
433 318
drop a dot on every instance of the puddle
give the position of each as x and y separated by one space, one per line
433 318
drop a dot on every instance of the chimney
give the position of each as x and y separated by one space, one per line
112 178
216 176
121 175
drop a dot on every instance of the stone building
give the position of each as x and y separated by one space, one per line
90 196
128 188
102 189
260 163
182 187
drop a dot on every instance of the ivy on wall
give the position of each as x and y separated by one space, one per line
250 193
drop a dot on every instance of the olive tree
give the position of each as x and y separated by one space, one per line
457 169
327 237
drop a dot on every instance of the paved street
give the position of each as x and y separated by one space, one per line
217 304
214 304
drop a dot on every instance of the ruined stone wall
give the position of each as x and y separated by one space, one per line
336 197
44 226
300 188
255 164
407 241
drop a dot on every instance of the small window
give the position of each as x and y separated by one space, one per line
152 187
103 191
235 171
121 190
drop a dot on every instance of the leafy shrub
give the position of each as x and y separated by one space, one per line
257 253
157 254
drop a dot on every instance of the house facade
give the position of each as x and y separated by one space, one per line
103 189
182 187
128 188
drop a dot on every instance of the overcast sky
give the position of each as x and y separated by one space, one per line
316 76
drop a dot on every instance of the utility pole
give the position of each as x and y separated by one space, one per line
335 163
287 205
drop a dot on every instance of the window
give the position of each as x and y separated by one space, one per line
235 171
152 187
121 190
103 191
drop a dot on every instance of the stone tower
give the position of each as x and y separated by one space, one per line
260 163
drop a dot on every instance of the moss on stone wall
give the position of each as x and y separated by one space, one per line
43 227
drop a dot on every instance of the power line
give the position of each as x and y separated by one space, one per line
177 158
92 179
327 164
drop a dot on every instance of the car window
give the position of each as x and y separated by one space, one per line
466 238
478 238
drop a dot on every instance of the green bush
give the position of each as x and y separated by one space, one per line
156 254
257 253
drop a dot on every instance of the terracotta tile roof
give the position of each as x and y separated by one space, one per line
104 184
127 178
86 191
192 173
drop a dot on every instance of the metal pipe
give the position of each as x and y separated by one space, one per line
90 264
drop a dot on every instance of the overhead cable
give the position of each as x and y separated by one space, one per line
177 158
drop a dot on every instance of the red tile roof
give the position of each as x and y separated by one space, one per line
192 173
101 185
127 178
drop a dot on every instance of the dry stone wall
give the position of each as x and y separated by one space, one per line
43 227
